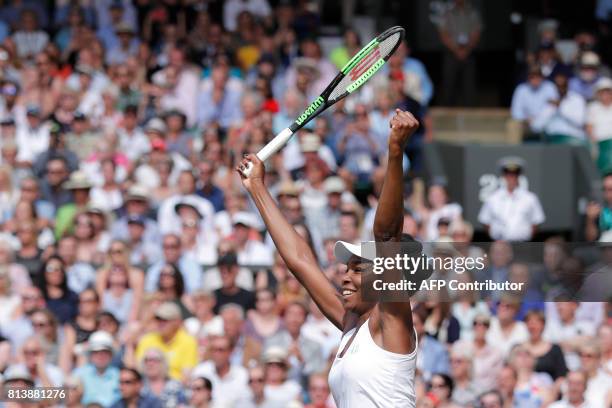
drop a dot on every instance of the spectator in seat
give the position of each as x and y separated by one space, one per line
179 347
156 382
549 356
531 97
172 253
574 396
245 349
279 388
599 122
305 356
230 292
318 391
589 72
598 218
563 118
132 394
229 381
99 378
505 331
34 361
250 251
201 392
54 285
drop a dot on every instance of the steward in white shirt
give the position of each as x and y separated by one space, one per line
511 213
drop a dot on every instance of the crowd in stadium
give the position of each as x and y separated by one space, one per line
135 271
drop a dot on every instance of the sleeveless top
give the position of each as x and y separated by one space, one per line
367 376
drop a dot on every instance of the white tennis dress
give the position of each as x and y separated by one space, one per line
368 376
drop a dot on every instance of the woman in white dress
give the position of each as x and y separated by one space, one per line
376 362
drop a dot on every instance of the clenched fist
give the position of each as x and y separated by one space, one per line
403 125
257 173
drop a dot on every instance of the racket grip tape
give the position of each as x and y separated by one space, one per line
269 149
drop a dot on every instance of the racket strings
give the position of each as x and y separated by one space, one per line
382 51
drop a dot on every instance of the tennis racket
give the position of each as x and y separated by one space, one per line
355 73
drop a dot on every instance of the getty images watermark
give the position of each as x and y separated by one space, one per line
447 271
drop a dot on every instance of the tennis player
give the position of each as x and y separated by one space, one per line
376 361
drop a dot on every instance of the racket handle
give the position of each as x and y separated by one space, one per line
273 146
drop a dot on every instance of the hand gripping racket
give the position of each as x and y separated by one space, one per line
355 73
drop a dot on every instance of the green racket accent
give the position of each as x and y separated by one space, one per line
359 56
366 75
310 110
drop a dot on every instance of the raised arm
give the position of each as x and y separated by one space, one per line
395 318
389 217
294 250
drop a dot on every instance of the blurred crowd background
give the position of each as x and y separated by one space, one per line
133 268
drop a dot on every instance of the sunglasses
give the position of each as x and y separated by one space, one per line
190 223
256 380
51 268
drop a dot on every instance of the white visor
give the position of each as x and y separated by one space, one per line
343 251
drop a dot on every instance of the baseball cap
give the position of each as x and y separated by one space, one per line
334 185
589 59
137 193
275 354
168 311
17 373
156 125
7 121
288 188
100 341
311 143
245 218
603 83
78 181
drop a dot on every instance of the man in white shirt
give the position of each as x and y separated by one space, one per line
599 112
132 139
511 213
505 331
576 382
230 382
563 118
250 251
568 332
32 136
531 97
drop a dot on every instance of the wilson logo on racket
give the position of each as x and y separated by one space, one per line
363 65
310 110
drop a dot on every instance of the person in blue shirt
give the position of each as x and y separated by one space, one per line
531 97
207 187
130 384
433 355
99 378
